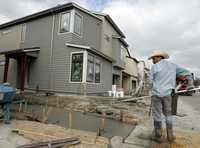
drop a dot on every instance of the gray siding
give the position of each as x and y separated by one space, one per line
60 80
91 35
61 76
51 70
116 45
38 33
106 79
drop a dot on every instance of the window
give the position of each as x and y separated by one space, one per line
77 24
90 69
77 67
23 33
97 71
123 54
93 69
65 22
2 62
5 32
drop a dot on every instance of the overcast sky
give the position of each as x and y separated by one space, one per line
169 25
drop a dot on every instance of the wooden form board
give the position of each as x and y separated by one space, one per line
43 132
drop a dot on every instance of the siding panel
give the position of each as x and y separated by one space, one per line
38 33
91 35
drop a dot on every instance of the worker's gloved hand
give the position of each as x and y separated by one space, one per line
173 92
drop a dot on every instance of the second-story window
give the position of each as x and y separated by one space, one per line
65 22
77 24
23 33
2 62
123 54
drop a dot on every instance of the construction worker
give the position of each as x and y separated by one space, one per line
162 82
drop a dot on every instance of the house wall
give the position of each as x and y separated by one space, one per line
111 46
38 34
116 46
60 73
91 35
10 38
106 37
51 70
105 81
131 67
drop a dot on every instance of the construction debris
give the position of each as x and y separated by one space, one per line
40 132
99 106
53 143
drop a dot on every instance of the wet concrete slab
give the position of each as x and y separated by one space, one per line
82 121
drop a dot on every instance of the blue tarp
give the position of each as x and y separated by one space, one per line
5 88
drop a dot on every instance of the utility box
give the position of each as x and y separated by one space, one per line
6 98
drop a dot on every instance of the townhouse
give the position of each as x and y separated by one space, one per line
66 49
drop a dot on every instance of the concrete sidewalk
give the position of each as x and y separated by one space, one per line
186 130
8 139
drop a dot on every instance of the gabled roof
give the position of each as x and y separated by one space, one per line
121 40
110 20
130 57
47 12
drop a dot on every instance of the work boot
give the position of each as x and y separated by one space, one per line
170 135
157 132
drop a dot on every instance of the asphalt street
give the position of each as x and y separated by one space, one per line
193 101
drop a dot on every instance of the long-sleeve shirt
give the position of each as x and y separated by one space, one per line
162 78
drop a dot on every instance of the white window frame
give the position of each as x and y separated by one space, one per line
95 57
23 33
89 54
76 13
100 64
122 54
85 62
2 62
84 72
6 31
70 22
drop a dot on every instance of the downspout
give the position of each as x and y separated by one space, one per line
51 81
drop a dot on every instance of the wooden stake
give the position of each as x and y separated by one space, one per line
70 119
103 122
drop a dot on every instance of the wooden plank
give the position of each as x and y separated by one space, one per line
52 143
44 132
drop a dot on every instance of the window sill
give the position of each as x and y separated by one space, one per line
80 36
63 33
